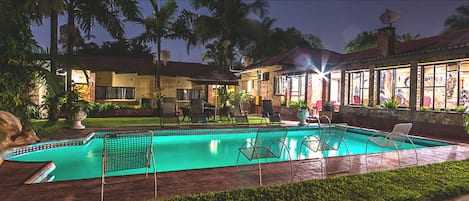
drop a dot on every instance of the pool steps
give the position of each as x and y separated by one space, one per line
42 175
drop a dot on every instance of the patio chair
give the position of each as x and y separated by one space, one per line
393 140
427 100
318 107
268 112
127 150
186 112
356 100
168 112
330 140
236 116
197 111
268 144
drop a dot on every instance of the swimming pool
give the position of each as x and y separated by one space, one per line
183 150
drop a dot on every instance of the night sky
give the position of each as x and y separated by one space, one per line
335 22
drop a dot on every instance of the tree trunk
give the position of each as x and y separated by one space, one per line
52 113
158 73
70 25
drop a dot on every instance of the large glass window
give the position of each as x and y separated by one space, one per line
189 94
249 86
395 83
297 87
441 86
359 88
464 84
115 93
279 85
335 89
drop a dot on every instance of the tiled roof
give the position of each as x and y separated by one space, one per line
298 58
145 66
444 41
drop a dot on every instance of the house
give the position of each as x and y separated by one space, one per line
425 76
295 75
132 81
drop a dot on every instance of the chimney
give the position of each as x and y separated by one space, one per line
386 41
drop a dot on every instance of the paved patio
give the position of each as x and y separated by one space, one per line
137 187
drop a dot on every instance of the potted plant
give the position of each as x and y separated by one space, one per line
75 109
302 111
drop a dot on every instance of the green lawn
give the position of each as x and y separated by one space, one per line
432 182
43 129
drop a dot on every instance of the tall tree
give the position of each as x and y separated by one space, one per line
313 40
277 40
459 20
17 47
163 24
226 24
52 9
363 41
116 48
369 39
107 13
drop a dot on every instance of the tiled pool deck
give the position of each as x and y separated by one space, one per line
137 187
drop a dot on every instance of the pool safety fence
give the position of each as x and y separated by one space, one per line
127 150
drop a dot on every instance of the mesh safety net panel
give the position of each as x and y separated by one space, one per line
127 150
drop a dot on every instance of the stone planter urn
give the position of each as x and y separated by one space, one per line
302 116
76 120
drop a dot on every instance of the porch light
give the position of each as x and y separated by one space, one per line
322 75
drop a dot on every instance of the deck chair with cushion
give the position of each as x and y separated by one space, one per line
395 140
329 143
236 116
268 112
169 115
270 143
197 111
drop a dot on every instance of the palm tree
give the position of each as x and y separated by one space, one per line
163 24
42 9
458 21
226 23
107 13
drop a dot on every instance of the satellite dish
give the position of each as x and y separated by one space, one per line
389 17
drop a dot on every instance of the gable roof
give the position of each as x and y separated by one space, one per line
298 58
145 66
455 39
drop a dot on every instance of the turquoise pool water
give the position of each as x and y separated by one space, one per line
189 149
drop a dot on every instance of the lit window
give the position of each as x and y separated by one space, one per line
115 93
250 86
441 86
395 83
279 85
358 85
